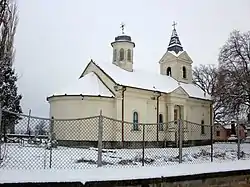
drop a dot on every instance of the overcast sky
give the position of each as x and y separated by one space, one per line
56 38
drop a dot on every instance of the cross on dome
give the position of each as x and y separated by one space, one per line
122 27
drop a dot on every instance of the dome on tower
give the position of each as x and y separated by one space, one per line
123 51
123 38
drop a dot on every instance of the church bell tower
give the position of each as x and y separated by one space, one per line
176 63
123 51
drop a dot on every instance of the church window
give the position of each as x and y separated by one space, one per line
184 72
121 54
114 55
129 55
135 121
202 127
161 122
169 71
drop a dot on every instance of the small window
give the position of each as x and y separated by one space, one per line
184 72
129 55
217 133
121 54
114 55
135 121
202 127
169 73
161 122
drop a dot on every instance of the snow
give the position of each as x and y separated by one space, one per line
90 84
178 54
30 163
117 174
149 81
227 126
28 156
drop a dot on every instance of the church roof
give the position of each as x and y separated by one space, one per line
90 85
175 44
149 81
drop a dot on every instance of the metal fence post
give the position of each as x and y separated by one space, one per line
1 131
211 133
143 144
100 134
51 141
180 129
3 127
212 142
28 125
238 140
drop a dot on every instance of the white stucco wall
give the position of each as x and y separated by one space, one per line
76 107
176 63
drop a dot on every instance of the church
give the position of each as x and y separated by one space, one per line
129 97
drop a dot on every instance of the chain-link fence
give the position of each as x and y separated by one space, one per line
29 142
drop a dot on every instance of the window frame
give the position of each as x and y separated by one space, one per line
129 55
121 54
135 121
218 133
161 123
184 72
169 71
202 127
115 55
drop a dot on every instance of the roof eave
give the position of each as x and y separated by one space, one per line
77 95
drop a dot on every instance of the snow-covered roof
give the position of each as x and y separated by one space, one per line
149 81
176 54
227 126
90 84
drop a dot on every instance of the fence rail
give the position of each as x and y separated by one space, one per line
29 142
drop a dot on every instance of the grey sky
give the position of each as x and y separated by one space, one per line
56 39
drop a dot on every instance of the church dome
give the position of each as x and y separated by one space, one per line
123 38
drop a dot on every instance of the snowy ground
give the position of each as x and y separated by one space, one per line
16 156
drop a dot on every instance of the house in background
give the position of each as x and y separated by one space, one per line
223 132
136 96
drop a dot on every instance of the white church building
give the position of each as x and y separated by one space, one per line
129 96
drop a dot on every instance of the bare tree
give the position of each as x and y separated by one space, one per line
234 72
207 78
3 8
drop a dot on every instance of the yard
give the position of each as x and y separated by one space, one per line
28 156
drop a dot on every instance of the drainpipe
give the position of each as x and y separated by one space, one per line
157 115
123 90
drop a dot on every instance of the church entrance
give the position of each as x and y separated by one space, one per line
177 112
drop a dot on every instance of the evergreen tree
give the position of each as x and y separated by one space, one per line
9 97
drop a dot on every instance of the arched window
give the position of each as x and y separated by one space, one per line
121 54
135 121
184 72
169 71
114 55
129 55
160 122
202 127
